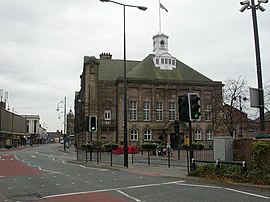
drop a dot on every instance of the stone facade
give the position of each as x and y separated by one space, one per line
105 100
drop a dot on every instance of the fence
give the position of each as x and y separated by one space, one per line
219 163
176 158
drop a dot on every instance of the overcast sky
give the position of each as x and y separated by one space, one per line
43 42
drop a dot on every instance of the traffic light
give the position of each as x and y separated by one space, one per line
176 126
93 123
183 108
194 106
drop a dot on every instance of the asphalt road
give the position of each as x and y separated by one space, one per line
46 174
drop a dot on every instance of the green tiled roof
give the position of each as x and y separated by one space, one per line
111 70
147 70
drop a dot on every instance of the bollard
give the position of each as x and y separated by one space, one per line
244 166
193 166
217 164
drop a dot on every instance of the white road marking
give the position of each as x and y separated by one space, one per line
198 185
113 189
247 193
128 196
215 187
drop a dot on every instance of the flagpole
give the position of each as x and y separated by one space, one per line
159 16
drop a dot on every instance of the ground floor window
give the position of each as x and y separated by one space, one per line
147 135
134 135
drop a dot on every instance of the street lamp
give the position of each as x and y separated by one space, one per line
250 4
125 78
64 106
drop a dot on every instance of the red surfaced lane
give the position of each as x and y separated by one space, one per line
89 197
10 166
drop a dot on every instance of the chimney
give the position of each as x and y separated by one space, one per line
105 56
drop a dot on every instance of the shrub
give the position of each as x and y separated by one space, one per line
195 145
87 146
149 146
111 146
231 174
258 149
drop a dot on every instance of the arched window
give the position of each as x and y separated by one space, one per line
147 135
162 44
134 135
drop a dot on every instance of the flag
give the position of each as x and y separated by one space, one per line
163 7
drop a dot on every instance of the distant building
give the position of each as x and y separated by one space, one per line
153 87
70 126
42 135
55 137
32 127
12 128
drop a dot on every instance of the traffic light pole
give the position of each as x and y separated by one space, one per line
190 144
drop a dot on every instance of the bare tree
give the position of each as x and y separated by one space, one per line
235 92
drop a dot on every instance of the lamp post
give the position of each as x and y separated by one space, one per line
64 106
250 4
125 78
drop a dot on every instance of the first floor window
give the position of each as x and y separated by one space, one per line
198 135
107 115
208 116
146 111
133 111
134 135
159 111
171 111
209 134
147 135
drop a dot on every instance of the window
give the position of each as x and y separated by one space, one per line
107 115
35 126
134 135
157 61
146 111
147 135
162 60
198 135
159 111
166 61
133 111
171 111
170 61
208 114
209 135
208 107
27 126
173 62
162 44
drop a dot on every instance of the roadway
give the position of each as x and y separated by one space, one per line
45 173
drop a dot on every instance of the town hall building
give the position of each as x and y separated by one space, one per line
153 87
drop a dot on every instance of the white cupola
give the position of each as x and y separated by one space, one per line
163 59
